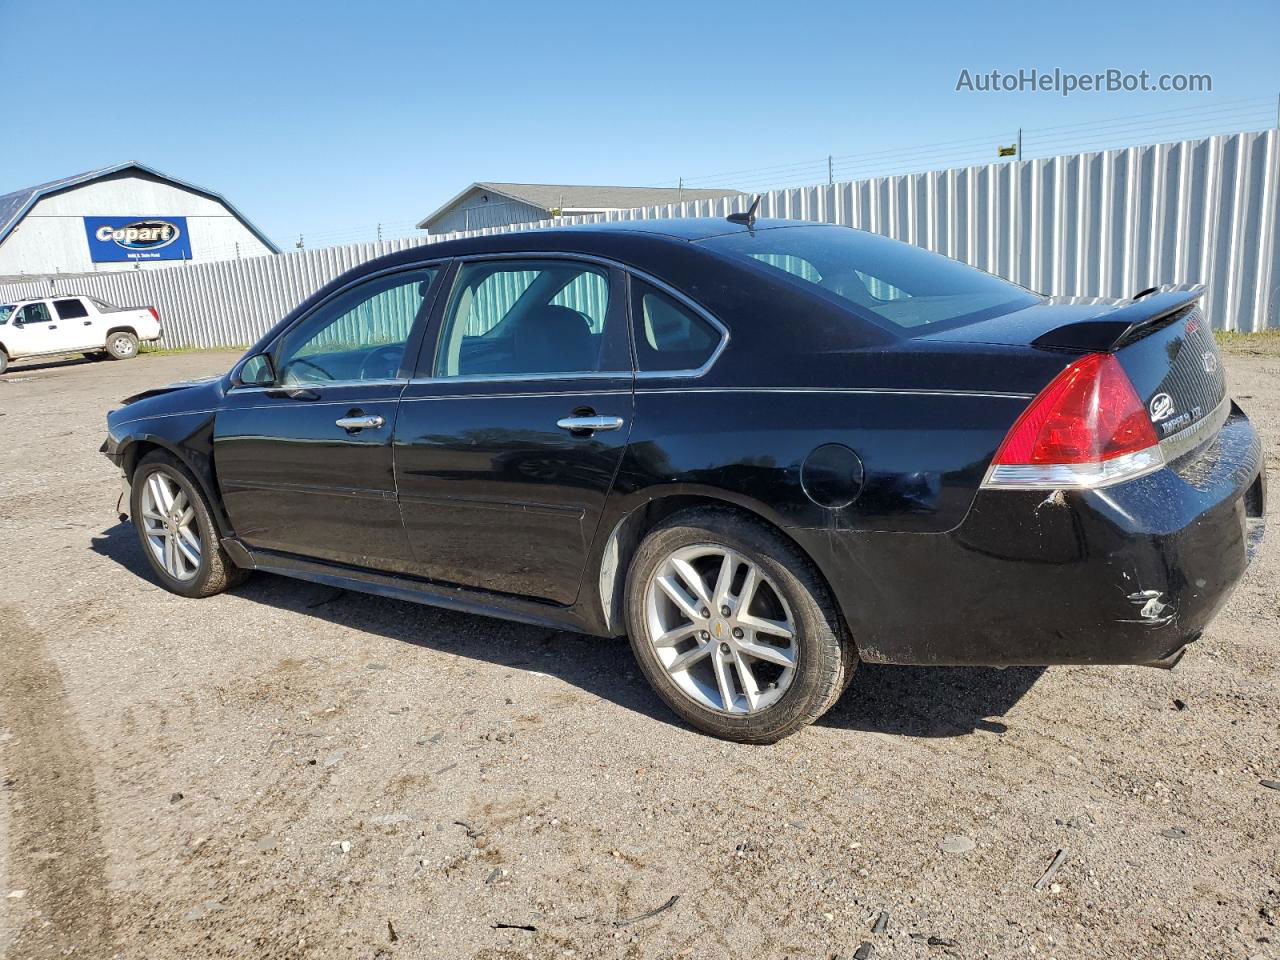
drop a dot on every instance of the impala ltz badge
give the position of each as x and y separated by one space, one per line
116 239
1161 407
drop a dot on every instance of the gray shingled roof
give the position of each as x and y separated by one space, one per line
552 196
14 206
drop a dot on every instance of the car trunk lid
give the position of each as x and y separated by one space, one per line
1162 341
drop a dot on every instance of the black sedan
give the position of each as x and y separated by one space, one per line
764 450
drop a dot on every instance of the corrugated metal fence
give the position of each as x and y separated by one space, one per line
1085 225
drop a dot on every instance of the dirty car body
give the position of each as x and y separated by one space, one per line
842 395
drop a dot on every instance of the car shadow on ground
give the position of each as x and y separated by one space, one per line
909 701
19 367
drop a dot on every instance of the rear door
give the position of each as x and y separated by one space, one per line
83 332
305 465
509 438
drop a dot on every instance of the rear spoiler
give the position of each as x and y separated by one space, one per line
1110 331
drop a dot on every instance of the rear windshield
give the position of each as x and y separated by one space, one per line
899 285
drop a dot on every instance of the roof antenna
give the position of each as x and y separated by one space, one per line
748 218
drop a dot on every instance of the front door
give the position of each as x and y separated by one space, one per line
35 332
305 465
509 439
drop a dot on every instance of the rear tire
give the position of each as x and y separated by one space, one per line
122 345
707 664
176 529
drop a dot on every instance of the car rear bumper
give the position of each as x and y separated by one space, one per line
1127 574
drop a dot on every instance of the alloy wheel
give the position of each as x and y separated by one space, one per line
123 346
170 528
721 629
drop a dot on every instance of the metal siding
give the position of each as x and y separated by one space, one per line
1085 225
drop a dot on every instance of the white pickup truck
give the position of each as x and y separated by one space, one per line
73 324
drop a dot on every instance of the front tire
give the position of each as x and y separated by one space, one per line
734 627
4 361
122 345
176 529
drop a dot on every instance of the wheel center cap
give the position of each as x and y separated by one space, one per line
719 629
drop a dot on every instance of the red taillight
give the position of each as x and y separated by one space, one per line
1087 428
154 312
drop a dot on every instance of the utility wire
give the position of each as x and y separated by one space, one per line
1266 102
1244 111
1179 123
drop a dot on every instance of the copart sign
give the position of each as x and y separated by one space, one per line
120 239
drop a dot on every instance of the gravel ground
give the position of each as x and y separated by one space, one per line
292 771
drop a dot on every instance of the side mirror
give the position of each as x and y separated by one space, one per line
257 371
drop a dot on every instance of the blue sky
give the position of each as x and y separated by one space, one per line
325 118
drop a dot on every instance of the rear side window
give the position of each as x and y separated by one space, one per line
669 335
889 282
528 318
70 309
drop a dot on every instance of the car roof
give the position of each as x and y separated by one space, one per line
735 290
689 228
615 233
48 296
647 245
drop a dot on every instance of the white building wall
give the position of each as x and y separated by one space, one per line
51 237
474 213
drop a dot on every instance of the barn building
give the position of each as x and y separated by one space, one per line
501 204
120 218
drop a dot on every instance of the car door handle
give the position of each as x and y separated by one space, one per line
589 424
88 322
371 422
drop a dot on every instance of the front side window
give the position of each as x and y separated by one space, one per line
70 309
33 313
526 318
669 335
359 335
6 309
894 283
